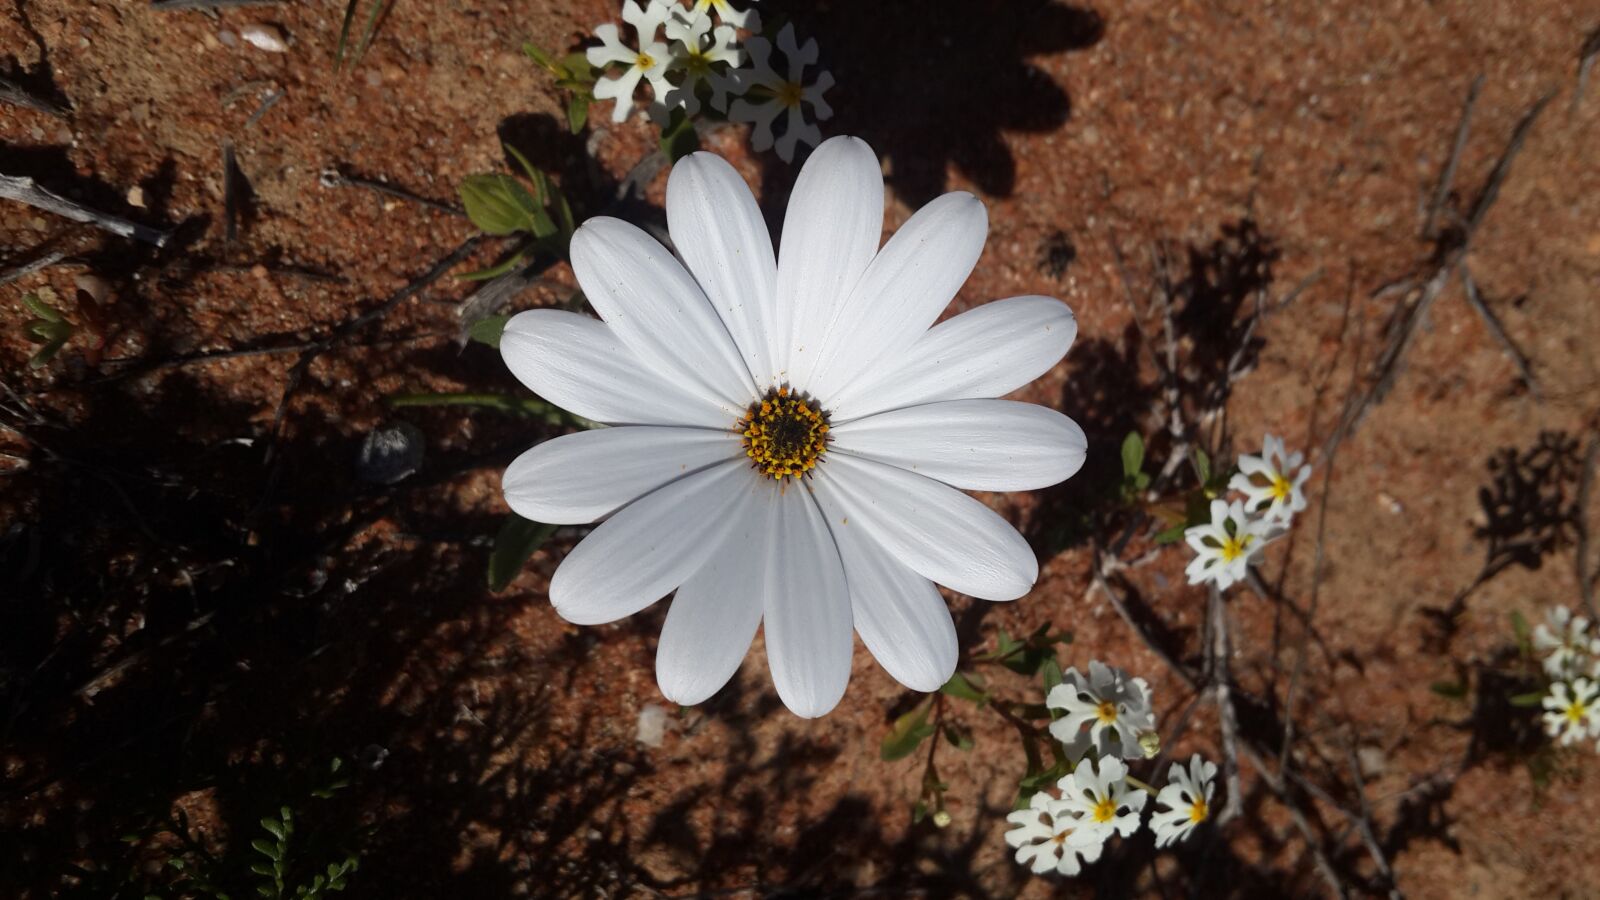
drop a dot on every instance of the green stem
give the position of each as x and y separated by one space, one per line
1142 786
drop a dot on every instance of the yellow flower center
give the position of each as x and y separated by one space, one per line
784 433
1105 810
1199 811
1577 711
790 93
1234 546
1281 488
645 61
1106 712
697 62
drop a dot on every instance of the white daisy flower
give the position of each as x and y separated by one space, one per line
1113 709
696 49
1187 798
1565 640
792 438
1103 801
1572 713
649 62
1225 546
767 94
749 19
1273 483
1043 837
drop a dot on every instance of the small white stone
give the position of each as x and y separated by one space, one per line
136 197
264 37
652 725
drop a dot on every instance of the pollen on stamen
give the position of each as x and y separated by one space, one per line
785 434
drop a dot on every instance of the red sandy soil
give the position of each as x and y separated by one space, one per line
258 624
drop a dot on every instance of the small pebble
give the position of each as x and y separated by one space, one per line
652 725
136 197
228 38
264 37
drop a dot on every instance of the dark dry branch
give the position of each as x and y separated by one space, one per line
37 264
1586 58
16 95
1449 254
1518 358
1222 695
332 177
230 195
1363 826
24 190
1448 176
267 103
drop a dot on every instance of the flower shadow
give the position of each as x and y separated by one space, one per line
926 101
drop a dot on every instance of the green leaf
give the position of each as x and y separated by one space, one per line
577 113
1519 626
40 308
540 57
577 67
678 138
1202 465
262 868
498 204
273 826
1172 535
267 848
1454 690
1132 454
488 329
963 688
46 353
959 738
1052 675
516 260
513 546
909 730
1529 700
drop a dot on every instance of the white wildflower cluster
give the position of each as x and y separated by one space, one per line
1572 660
690 61
1106 718
1273 485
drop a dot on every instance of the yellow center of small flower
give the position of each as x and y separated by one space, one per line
1199 811
1281 487
1234 546
697 62
790 93
784 433
1105 810
645 61
1106 712
1577 711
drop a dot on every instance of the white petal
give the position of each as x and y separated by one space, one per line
578 478
985 352
658 312
807 620
830 234
911 280
714 616
976 445
899 614
721 236
578 363
936 531
649 547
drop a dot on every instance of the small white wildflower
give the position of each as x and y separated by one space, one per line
1103 800
1114 708
1043 837
1187 797
1273 483
649 62
1224 547
767 94
696 48
748 19
1566 641
1572 713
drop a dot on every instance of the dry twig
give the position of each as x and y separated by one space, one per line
23 189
